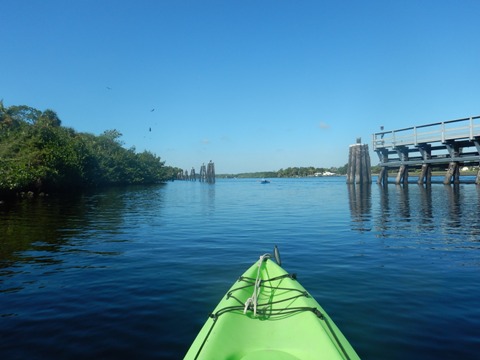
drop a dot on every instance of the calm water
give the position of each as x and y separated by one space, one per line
133 273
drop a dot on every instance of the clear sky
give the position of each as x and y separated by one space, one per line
252 85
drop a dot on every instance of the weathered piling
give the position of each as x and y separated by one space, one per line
358 168
425 176
193 176
203 173
207 174
425 151
211 172
383 176
402 175
453 174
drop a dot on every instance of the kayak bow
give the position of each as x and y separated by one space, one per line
267 314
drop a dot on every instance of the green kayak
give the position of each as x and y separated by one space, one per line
267 314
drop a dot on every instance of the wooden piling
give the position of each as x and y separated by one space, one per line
207 173
193 176
426 170
358 168
350 166
203 173
425 175
477 145
453 174
402 176
211 172
383 176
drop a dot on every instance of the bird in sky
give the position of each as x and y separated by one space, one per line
152 110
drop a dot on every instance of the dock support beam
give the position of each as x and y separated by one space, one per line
383 176
476 141
358 170
402 176
426 172
425 175
453 172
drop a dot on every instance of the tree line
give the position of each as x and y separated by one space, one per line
38 154
291 172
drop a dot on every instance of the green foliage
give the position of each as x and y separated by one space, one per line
37 153
310 171
290 172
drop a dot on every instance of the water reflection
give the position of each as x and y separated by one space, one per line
426 202
453 205
450 209
360 201
382 221
403 197
35 230
208 198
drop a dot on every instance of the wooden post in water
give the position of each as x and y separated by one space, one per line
358 168
425 175
426 172
402 176
383 176
453 172
193 176
211 172
477 145
203 173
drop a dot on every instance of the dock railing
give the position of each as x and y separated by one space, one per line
466 128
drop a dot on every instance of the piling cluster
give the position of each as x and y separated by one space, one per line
359 169
207 174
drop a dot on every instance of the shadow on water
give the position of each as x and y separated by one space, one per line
33 230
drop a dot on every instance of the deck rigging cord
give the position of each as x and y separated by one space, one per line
253 300
267 309
257 284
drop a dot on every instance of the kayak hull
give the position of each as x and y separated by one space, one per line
284 322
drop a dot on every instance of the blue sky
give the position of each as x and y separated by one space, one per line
252 85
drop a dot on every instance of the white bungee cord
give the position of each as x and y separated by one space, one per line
253 300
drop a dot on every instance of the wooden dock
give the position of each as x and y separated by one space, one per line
448 144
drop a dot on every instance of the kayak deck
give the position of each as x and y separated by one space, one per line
267 314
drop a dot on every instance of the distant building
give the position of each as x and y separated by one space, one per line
325 173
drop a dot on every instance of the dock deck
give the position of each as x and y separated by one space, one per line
453 143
